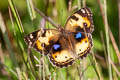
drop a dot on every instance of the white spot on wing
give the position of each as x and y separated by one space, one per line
83 11
31 36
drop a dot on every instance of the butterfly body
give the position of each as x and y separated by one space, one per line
65 44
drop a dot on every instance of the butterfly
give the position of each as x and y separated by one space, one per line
65 44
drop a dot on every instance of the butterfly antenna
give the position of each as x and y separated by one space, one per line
43 23
85 31
46 18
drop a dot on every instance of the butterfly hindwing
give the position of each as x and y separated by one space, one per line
83 44
80 20
61 54
42 40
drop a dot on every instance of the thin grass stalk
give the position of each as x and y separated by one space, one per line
84 3
78 69
69 5
114 45
20 27
40 69
14 32
24 76
119 21
31 9
13 27
115 68
9 69
7 41
97 67
43 68
19 73
80 75
39 65
2 67
81 69
21 42
103 41
61 75
67 74
46 18
79 4
54 78
19 23
32 68
46 67
104 17
110 33
32 63
107 40
1 55
92 61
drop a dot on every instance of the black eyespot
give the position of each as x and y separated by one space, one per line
55 56
85 24
65 56
85 41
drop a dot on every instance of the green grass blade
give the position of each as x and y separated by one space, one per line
7 40
31 9
107 41
19 23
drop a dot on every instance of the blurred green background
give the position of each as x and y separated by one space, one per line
16 63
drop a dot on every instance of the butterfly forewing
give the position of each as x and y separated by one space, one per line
80 20
42 40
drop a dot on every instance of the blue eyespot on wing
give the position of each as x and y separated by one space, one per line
78 35
56 46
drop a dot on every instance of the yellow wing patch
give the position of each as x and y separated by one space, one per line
38 44
61 58
80 22
46 38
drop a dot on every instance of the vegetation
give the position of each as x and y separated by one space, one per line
18 18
